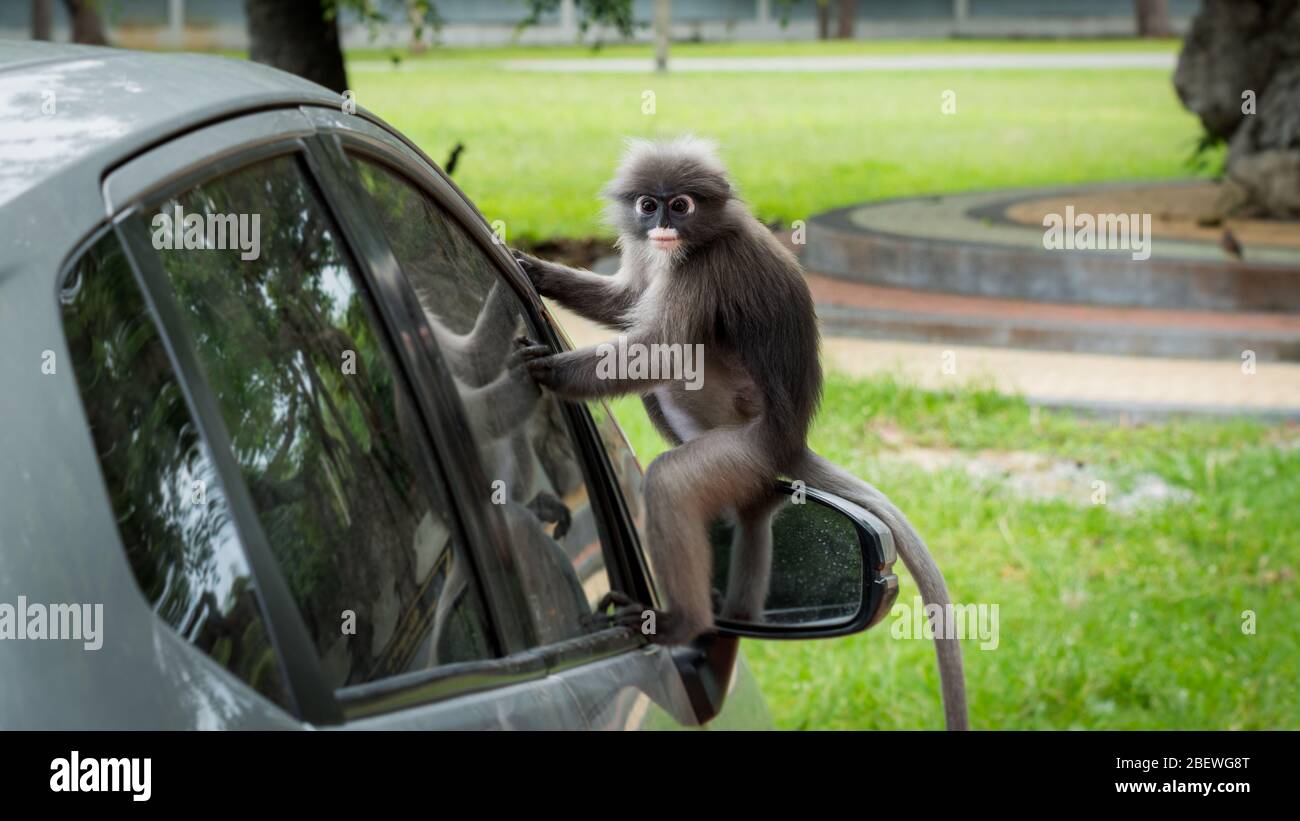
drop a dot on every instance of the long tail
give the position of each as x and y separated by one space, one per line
825 475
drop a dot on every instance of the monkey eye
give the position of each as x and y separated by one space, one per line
682 204
646 205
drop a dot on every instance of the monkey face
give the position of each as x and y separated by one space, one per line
671 221
669 197
663 218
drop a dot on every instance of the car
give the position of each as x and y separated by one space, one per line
269 457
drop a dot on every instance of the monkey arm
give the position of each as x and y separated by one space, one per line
489 343
598 298
477 358
501 407
594 372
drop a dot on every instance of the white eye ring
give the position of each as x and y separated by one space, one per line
682 198
641 203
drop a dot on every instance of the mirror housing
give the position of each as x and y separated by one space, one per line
831 571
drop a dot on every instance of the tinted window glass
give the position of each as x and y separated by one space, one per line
534 467
323 429
622 458
171 510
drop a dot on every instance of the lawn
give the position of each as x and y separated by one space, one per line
539 146
1111 616
1120 615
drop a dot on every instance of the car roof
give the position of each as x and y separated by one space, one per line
67 108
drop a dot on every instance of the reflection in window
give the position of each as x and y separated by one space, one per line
534 469
622 458
171 510
325 434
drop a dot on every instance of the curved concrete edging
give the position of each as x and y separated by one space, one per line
1050 335
841 246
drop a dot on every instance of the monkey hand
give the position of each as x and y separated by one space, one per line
536 271
561 373
539 360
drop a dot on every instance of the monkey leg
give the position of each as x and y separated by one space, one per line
686 489
751 559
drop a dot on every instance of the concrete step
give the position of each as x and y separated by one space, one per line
877 312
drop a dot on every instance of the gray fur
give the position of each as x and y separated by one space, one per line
728 284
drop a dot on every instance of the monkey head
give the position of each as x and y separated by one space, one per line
669 197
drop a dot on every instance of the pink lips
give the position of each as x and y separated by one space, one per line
665 238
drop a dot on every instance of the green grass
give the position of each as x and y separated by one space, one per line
539 146
1108 620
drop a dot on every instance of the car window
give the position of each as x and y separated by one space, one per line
534 466
622 458
172 513
321 425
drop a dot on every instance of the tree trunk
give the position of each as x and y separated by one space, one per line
86 26
663 25
1239 71
823 19
848 13
1153 19
41 19
293 35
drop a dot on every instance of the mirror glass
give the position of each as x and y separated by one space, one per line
817 574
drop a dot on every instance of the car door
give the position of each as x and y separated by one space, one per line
346 445
473 298
325 477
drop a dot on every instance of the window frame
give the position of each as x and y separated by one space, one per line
313 699
320 138
625 561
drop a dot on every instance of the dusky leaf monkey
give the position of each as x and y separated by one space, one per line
698 268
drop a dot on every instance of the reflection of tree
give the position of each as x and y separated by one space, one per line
332 482
152 458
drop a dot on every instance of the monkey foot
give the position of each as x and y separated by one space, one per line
659 626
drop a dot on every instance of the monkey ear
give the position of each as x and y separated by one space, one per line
716 188
618 191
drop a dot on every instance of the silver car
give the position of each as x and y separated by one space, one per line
268 457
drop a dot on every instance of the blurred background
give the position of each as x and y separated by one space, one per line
1102 444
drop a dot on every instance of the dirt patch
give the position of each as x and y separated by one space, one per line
1039 476
576 253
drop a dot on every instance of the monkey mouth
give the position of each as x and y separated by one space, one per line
664 239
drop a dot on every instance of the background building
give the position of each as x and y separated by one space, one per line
214 24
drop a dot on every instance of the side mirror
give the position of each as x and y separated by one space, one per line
831 572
